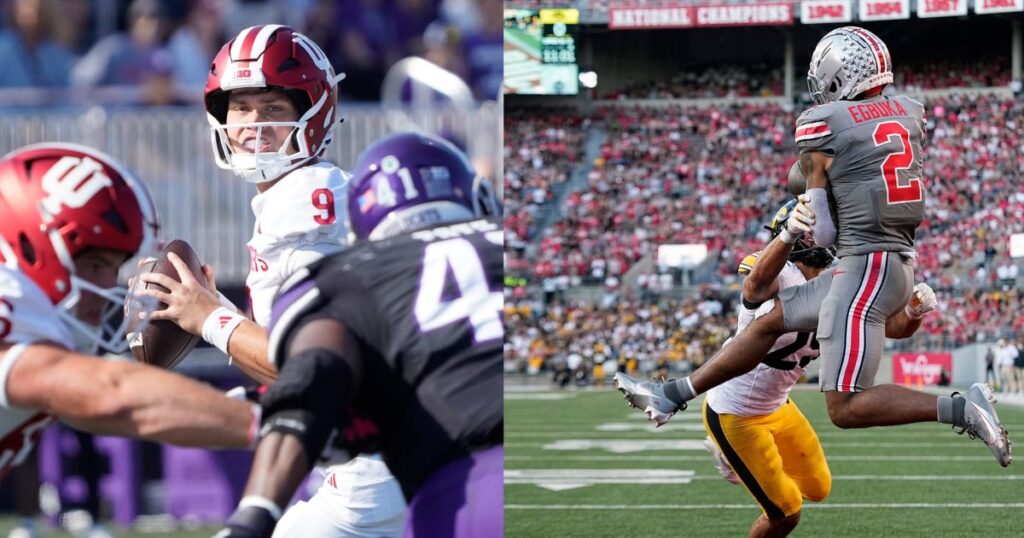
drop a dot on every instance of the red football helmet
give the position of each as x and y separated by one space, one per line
58 200
278 57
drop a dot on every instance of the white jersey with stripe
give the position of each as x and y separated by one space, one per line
764 389
299 220
26 316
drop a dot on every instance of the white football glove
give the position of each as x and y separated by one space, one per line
800 221
922 302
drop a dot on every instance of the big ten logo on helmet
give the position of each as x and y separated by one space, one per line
256 263
72 182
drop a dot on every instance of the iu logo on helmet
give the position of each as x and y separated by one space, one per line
72 182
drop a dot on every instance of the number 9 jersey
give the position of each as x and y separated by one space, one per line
298 221
425 308
876 191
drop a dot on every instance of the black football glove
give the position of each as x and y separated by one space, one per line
248 522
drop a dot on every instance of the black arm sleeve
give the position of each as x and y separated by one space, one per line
308 398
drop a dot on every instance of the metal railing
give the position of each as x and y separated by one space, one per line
170 150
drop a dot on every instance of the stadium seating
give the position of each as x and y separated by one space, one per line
715 175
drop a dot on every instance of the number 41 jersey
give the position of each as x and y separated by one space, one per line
876 189
426 311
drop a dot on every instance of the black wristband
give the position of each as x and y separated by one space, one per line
751 305
251 522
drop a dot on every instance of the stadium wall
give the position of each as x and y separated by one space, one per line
621 57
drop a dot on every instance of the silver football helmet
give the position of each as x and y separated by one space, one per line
847 62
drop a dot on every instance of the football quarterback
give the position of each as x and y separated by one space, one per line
271 101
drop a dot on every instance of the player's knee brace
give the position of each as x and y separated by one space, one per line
307 399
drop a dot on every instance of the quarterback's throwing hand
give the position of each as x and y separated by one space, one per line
922 302
188 302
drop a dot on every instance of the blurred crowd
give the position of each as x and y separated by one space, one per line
158 52
576 337
707 81
671 175
763 80
715 175
540 153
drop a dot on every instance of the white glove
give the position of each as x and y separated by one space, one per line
922 302
800 221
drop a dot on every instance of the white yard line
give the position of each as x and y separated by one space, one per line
843 506
707 457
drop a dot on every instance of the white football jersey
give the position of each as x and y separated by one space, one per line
26 316
765 388
299 220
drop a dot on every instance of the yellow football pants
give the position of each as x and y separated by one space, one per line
777 457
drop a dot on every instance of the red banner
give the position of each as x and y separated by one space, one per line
920 368
825 11
883 10
941 8
700 16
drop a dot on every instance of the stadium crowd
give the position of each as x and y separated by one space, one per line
540 153
162 48
762 80
633 333
715 175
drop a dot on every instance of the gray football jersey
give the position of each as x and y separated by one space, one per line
874 184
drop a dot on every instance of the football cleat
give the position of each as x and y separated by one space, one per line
982 422
721 464
649 397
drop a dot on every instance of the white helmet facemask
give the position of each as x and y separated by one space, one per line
262 166
110 334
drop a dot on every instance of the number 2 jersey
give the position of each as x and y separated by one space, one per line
26 316
298 221
765 388
425 308
875 187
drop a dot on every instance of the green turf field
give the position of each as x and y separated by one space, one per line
920 480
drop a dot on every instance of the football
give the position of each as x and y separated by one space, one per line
796 182
162 343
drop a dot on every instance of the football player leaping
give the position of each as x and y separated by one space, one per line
861 154
405 326
71 217
271 99
758 436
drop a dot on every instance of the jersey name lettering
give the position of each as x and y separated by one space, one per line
871 111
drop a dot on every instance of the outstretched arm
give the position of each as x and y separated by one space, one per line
127 399
762 283
815 165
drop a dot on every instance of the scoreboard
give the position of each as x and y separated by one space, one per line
540 52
